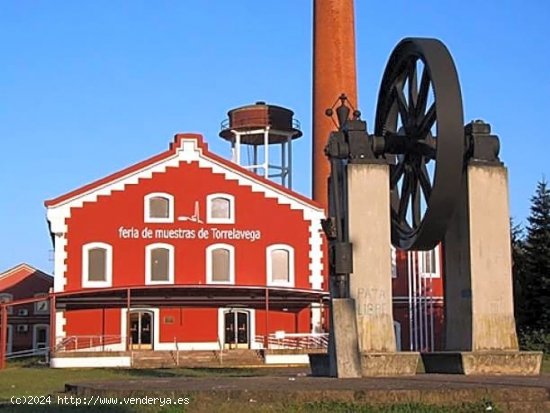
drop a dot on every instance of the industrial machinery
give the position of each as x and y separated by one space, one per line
419 130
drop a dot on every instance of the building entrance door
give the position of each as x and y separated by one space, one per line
141 329
237 329
40 338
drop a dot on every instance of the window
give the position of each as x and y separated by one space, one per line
280 265
428 263
393 262
220 209
97 262
397 331
159 207
220 264
42 307
159 264
6 298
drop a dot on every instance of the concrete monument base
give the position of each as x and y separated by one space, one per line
343 359
389 364
521 363
372 364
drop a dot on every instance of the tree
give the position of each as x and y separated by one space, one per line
536 261
518 273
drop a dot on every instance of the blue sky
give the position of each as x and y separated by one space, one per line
89 87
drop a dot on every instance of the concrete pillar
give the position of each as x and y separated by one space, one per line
480 333
478 267
369 229
334 73
370 283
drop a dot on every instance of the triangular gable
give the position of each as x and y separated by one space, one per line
18 273
189 148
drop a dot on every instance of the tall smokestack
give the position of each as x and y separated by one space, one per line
333 74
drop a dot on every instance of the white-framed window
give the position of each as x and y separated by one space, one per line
397 331
6 298
159 264
220 209
158 207
393 262
280 265
40 333
97 265
428 263
220 264
42 307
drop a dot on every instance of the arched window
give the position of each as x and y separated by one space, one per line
220 209
280 265
97 262
220 264
159 264
159 207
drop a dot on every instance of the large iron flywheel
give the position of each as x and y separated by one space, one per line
419 114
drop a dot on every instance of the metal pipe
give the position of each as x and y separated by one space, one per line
53 316
266 152
128 302
409 281
425 310
266 337
289 162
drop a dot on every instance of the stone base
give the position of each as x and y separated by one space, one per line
319 364
372 364
389 364
524 363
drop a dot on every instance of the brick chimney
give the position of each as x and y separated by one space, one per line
334 73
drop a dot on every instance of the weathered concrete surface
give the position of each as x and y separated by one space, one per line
342 359
389 364
478 271
525 363
369 229
334 73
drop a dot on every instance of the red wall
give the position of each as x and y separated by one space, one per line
100 222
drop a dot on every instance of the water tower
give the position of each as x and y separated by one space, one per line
261 139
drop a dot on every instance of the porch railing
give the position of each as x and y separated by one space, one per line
283 340
91 343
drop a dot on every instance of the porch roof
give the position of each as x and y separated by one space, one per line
192 295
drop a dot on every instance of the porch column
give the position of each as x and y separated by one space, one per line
3 335
266 338
128 302
52 322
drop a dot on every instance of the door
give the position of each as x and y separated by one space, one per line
236 327
40 339
141 329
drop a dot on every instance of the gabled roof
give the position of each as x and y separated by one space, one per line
174 147
18 273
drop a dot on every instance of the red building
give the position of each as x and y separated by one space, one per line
190 251
28 324
185 250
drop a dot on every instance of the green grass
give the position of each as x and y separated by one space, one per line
27 378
